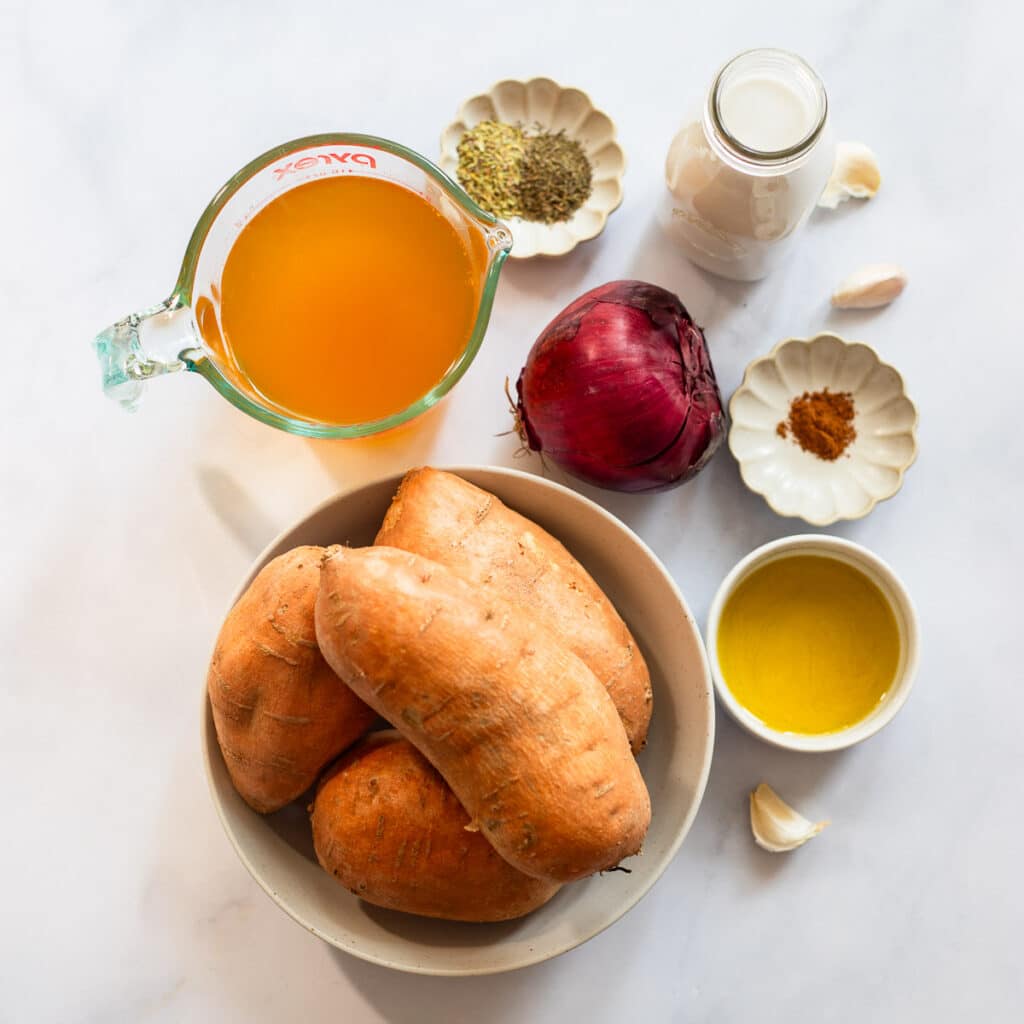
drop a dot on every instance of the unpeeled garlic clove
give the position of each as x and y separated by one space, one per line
776 826
855 174
869 287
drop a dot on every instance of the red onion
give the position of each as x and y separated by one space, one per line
619 390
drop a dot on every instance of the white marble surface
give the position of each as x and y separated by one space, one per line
123 537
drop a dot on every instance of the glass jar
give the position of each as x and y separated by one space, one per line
748 166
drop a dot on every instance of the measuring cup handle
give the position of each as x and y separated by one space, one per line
126 363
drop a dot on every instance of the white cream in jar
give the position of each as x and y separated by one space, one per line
746 170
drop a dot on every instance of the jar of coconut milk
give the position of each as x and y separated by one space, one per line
747 168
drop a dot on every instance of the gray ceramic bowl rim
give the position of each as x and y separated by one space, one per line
209 743
882 574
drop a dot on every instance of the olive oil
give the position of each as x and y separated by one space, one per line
808 644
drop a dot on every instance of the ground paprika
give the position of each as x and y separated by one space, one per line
821 422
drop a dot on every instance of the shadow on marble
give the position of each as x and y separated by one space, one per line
236 508
352 463
742 761
416 999
848 323
824 219
551 279
674 523
708 298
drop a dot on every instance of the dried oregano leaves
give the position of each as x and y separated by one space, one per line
515 172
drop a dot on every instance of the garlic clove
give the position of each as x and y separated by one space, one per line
855 173
869 287
776 826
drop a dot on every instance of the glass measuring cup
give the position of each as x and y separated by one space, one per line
184 331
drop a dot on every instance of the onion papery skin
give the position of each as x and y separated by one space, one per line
619 390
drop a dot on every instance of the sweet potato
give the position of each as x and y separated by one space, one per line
445 518
387 826
517 725
280 713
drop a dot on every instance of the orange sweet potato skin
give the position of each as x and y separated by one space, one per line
389 829
279 710
445 518
518 726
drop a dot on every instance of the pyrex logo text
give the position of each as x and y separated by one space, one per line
311 161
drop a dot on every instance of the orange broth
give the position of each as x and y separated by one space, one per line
348 298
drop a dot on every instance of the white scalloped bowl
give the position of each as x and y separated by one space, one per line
546 104
797 483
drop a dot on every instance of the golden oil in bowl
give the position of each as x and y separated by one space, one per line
808 644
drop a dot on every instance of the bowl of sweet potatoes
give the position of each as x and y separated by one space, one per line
457 721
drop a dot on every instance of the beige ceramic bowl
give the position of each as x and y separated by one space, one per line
797 483
541 102
906 621
277 849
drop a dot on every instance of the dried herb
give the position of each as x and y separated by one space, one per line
555 178
539 176
490 156
821 422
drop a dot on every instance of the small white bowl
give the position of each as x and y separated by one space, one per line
546 104
797 483
906 620
277 849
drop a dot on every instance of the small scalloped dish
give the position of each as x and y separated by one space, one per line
795 482
542 103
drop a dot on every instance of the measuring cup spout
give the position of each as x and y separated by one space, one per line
159 340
